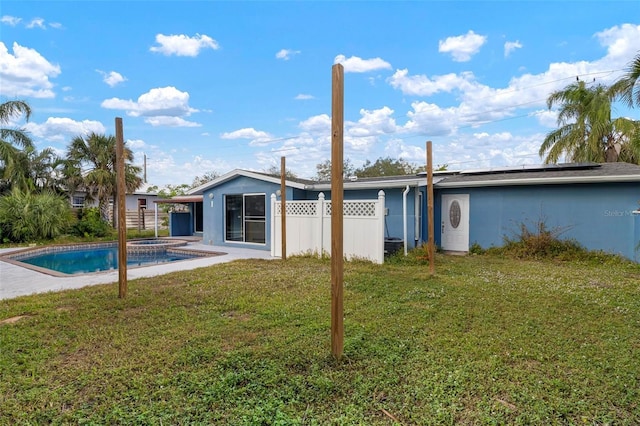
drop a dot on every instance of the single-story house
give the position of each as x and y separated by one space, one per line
594 204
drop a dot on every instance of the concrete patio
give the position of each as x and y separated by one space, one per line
17 281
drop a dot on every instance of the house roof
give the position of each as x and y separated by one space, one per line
306 184
545 175
294 183
178 199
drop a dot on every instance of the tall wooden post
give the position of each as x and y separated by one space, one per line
283 207
430 244
337 195
122 213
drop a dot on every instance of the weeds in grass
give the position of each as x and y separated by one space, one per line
538 241
487 340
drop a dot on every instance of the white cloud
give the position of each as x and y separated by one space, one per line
246 133
622 43
136 143
462 47
356 64
286 54
112 78
55 25
36 23
258 137
510 46
25 73
421 85
182 45
10 20
169 121
431 119
317 124
164 106
62 129
303 97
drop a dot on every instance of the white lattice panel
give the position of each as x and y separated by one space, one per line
359 208
354 208
302 209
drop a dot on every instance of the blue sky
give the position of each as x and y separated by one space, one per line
211 86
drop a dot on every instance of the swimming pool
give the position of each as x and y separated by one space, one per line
102 257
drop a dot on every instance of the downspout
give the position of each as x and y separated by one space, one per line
404 217
416 216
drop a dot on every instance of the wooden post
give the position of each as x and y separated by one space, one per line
283 207
337 194
431 244
122 213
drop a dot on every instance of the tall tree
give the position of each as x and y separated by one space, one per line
628 86
323 170
386 167
35 171
12 140
586 130
91 165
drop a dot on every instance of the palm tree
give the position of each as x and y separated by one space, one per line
91 165
11 140
628 87
628 90
586 131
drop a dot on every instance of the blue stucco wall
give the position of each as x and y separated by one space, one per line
214 225
214 219
598 216
393 202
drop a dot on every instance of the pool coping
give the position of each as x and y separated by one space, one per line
11 256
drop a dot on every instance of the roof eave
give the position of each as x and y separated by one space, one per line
246 173
541 181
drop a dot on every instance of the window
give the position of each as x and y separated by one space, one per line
245 218
78 201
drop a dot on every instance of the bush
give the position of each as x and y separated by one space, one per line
90 224
25 216
539 242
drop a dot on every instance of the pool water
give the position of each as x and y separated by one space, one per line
99 259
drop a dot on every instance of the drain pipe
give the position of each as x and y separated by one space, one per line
404 217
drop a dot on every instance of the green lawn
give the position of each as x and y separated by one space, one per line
485 341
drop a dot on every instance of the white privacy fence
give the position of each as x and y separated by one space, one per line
309 227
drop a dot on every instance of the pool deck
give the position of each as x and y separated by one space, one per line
17 281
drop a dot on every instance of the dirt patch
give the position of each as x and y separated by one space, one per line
13 320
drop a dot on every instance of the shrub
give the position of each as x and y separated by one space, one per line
90 224
540 242
25 216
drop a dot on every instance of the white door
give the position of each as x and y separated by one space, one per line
455 222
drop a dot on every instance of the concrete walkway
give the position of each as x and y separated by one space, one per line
18 281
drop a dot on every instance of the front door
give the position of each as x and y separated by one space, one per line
455 222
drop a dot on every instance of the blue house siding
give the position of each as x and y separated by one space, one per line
598 216
393 203
214 209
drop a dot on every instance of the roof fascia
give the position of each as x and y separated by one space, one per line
239 172
541 181
379 184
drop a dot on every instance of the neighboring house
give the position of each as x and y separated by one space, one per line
139 207
592 203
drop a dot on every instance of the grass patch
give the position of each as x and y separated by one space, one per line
486 341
